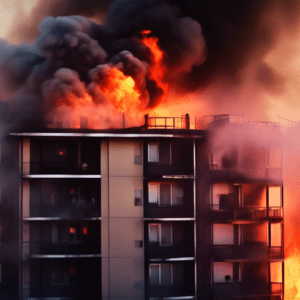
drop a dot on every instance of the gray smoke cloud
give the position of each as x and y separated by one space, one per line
72 56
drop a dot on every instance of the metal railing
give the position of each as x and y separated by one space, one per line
250 213
182 122
60 168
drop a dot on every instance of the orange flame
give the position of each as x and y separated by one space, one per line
157 69
122 92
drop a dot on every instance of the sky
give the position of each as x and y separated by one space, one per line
9 9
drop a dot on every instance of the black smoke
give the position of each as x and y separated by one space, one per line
203 41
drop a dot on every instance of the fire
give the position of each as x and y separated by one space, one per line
157 70
111 91
122 92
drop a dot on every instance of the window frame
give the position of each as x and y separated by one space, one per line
159 274
158 202
138 153
136 199
157 145
160 233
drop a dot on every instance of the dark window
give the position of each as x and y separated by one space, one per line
138 198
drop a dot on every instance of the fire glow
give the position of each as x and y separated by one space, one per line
112 89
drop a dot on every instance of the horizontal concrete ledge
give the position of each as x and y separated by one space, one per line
169 219
41 176
65 255
172 259
59 218
104 135
173 298
178 176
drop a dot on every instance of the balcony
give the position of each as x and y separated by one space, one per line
247 214
72 290
71 211
168 158
63 156
57 168
178 211
248 291
169 199
253 251
181 281
36 248
169 240
169 251
65 198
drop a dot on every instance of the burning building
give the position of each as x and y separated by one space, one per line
141 211
150 212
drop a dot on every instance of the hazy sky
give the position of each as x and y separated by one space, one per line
9 9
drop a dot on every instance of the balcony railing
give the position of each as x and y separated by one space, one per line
177 250
60 168
34 248
276 251
247 213
254 251
74 290
71 211
276 288
263 173
248 291
172 211
182 122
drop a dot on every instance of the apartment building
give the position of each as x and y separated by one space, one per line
145 213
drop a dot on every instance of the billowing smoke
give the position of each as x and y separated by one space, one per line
75 59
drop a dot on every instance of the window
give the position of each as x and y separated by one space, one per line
160 274
60 274
153 193
227 272
153 152
223 234
138 244
160 234
138 198
165 194
63 274
138 154
67 233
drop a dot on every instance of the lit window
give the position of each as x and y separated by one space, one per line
227 272
160 234
223 234
165 194
153 152
85 230
160 274
153 193
68 234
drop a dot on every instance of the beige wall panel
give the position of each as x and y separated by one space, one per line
121 158
123 234
104 179
26 199
121 196
125 275
26 155
104 237
105 278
